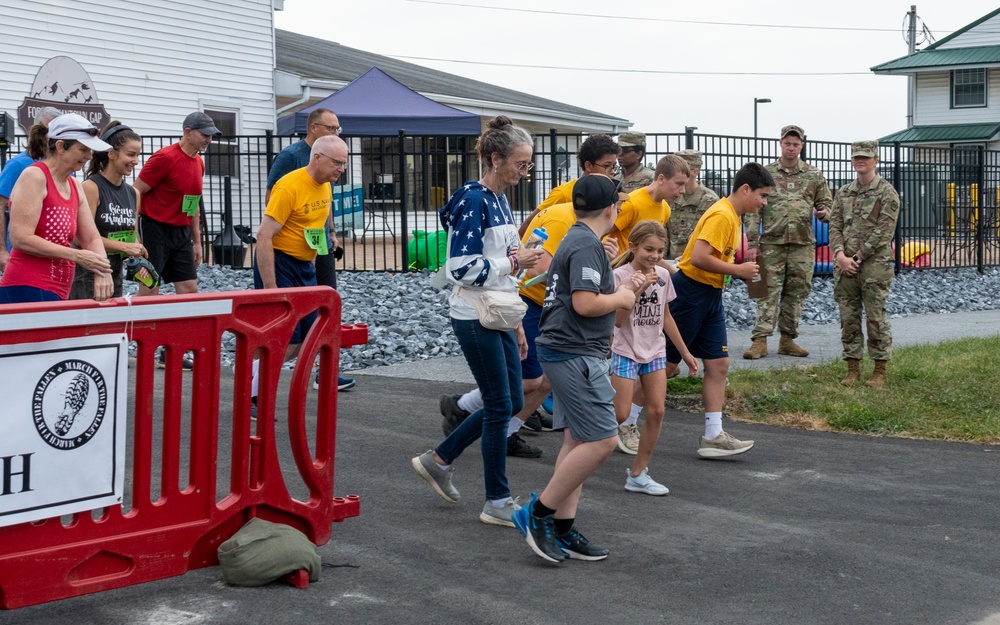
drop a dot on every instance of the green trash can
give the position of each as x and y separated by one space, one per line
428 250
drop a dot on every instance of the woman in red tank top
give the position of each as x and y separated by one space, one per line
49 213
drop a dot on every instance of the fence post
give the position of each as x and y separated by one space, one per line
979 202
689 137
268 135
553 170
896 182
404 238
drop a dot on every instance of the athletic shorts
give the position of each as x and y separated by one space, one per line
290 272
531 369
582 397
700 318
170 249
625 367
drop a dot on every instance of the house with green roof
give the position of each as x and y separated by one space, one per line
957 102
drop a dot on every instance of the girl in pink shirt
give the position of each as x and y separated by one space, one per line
639 350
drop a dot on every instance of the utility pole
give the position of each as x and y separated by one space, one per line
911 79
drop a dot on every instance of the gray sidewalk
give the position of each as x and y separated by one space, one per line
823 343
808 528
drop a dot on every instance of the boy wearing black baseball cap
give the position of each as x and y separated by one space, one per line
578 317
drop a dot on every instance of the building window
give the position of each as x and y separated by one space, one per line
222 155
968 88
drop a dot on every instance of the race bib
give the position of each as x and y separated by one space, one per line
123 236
316 239
189 205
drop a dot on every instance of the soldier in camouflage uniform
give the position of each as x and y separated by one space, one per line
786 249
689 208
862 225
632 173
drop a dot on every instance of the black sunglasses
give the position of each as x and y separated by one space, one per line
632 148
90 131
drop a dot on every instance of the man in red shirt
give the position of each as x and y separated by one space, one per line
170 186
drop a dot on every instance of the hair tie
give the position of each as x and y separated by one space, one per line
111 131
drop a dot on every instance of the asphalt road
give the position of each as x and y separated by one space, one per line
807 528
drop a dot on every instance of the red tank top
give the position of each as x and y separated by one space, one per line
56 224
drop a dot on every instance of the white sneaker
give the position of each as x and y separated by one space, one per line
628 439
644 484
492 515
723 445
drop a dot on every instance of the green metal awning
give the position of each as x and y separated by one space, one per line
945 133
941 59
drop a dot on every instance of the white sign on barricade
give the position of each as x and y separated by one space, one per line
63 419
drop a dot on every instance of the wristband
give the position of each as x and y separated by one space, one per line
514 265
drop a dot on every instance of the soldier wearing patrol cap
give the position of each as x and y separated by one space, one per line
689 208
633 174
862 225
782 236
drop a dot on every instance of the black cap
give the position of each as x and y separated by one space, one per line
202 123
594 192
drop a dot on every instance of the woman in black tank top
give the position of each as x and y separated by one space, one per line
114 203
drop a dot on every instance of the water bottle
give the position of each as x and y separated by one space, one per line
535 241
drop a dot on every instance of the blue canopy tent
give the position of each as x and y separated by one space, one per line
376 104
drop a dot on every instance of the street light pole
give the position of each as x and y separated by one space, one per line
757 101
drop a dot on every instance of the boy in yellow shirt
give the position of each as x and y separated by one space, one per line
698 311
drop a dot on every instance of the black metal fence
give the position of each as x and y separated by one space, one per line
385 206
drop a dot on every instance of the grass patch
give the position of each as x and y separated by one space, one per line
949 391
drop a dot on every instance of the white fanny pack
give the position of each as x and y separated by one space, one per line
497 310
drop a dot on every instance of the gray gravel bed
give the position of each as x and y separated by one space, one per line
408 319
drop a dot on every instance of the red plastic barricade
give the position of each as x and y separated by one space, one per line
180 510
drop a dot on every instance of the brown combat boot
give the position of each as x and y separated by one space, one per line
878 378
758 349
787 347
853 372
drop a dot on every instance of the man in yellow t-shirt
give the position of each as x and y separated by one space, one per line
698 311
652 201
291 234
597 155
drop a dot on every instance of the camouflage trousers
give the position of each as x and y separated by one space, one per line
869 290
789 271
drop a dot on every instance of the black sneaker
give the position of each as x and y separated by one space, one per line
253 408
518 448
539 422
187 362
453 415
577 547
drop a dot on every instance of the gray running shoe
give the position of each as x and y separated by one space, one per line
722 446
492 515
438 478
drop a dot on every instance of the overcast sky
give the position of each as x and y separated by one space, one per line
822 52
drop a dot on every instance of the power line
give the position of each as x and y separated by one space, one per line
650 19
619 70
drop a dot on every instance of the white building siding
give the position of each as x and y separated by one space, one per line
934 101
985 34
151 61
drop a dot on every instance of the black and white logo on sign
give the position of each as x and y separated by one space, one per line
69 403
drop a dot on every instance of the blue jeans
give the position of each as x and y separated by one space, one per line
496 365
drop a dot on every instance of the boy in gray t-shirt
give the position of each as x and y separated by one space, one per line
578 317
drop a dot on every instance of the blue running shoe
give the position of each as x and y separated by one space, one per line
547 404
539 532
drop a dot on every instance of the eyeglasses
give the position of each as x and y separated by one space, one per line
334 129
340 164
524 165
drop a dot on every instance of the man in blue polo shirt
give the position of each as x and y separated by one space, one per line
320 123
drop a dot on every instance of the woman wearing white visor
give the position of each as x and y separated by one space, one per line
49 212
